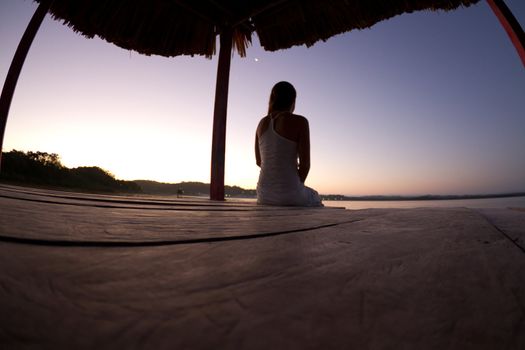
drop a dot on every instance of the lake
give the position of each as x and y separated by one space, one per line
513 202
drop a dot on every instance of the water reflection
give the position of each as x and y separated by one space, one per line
512 202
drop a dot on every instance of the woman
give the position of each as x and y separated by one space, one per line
282 151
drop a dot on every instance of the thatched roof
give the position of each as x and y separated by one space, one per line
190 27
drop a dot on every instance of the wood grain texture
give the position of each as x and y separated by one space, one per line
510 222
395 279
33 216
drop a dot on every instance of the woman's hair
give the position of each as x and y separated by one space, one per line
282 97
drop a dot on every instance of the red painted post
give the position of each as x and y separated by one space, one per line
219 117
16 67
511 26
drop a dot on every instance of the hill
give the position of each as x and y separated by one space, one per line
45 169
190 188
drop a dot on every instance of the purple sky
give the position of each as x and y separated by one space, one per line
431 102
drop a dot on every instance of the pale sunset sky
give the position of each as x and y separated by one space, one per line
425 103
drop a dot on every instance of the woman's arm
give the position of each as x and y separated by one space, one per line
303 150
257 152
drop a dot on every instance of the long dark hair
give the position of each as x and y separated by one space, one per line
282 97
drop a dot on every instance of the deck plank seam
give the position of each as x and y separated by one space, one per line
497 228
138 244
172 207
209 208
122 200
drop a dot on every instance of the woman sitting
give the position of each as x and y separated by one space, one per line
282 151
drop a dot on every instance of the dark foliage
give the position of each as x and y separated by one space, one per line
45 169
190 188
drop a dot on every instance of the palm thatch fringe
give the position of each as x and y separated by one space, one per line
190 27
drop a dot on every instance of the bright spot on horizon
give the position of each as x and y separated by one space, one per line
256 59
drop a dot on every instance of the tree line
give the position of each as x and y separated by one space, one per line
46 169
190 188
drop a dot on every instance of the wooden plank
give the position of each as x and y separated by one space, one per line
136 200
405 279
510 222
64 222
128 202
140 198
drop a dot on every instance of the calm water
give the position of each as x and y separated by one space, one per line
518 202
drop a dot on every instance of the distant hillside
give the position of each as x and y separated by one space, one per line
45 169
189 188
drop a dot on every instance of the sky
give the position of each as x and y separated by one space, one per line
423 103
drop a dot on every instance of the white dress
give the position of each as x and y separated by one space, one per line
279 182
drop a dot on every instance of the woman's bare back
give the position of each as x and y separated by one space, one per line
294 128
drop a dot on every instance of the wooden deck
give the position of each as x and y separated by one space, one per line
109 272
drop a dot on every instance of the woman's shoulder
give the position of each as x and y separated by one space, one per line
264 120
263 123
298 119
288 116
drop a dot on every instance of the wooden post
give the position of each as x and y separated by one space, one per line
219 117
16 66
511 26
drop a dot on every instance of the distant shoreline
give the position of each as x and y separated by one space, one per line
331 197
41 169
420 198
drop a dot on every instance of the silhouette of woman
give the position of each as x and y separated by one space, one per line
282 151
